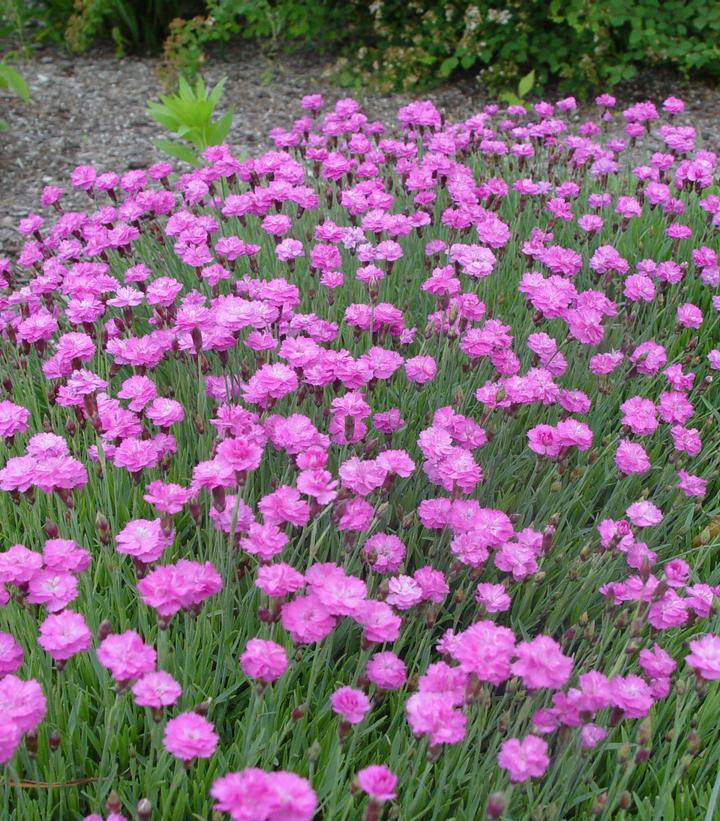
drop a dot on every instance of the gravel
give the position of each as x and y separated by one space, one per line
91 110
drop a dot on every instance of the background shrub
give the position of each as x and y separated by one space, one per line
395 44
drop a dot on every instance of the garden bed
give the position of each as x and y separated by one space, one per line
91 109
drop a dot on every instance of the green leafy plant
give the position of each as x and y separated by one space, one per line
12 79
188 114
133 25
524 87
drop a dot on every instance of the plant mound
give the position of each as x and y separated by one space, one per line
376 474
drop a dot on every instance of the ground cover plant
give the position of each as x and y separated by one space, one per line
372 476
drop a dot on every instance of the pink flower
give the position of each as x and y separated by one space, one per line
21 703
64 554
189 736
704 657
631 458
126 656
18 565
64 634
263 660
166 497
524 758
691 485
11 655
420 369
55 589
306 619
670 610
432 584
493 597
10 736
386 671
378 782
384 552
485 649
655 662
572 433
433 715
135 455
541 663
254 795
404 592
544 440
165 412
631 695
591 735
156 690
184 585
639 415
350 703
279 579
240 454
284 505
143 539
644 514
13 419
689 316
380 624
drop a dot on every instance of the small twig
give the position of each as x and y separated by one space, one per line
47 785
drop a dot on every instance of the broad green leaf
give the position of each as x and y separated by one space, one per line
214 97
9 78
180 152
221 127
526 83
448 66
510 98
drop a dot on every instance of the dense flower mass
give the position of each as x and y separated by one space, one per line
392 435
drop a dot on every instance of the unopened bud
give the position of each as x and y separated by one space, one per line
104 630
495 806
113 803
644 732
624 800
144 810
103 527
51 530
54 740
31 743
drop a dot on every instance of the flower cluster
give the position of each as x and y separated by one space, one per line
399 433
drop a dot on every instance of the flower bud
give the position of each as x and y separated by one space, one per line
51 529
103 527
104 630
495 806
31 743
144 810
113 803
